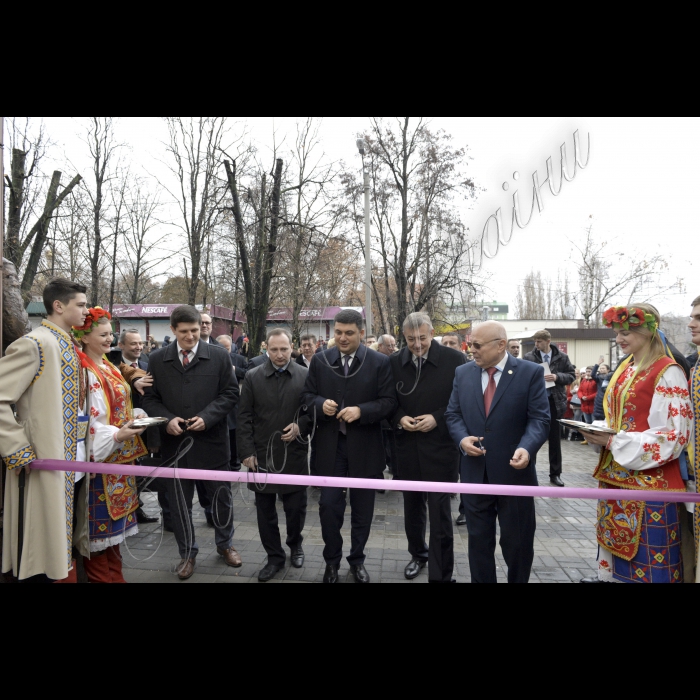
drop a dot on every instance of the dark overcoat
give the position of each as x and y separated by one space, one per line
519 418
370 386
565 373
426 456
269 403
206 388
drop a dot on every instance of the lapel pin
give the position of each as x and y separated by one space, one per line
511 372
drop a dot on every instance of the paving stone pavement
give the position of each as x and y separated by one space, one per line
565 546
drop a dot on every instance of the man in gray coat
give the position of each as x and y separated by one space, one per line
270 440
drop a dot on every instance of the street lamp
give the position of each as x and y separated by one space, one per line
363 148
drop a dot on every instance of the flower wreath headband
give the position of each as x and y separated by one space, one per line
620 318
91 322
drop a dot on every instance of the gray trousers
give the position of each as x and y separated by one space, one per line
181 494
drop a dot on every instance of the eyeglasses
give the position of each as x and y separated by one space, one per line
478 346
206 323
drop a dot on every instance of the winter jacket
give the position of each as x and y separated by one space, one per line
588 393
602 381
565 372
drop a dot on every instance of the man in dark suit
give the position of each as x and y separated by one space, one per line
352 391
424 373
195 388
240 367
308 350
206 329
562 374
499 416
268 427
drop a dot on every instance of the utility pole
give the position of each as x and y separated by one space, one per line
363 147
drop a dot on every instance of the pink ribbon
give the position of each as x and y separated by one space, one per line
368 484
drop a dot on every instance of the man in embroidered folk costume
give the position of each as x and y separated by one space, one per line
694 449
113 499
40 375
648 405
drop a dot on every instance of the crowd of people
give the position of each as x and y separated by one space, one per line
428 409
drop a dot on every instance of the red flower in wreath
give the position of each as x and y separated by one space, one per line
91 322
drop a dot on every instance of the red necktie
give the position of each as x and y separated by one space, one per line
134 365
185 358
490 390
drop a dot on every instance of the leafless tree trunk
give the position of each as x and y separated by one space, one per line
196 145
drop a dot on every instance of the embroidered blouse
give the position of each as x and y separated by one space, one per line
670 421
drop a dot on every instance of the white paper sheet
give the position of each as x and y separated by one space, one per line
547 371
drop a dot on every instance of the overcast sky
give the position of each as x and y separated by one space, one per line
640 187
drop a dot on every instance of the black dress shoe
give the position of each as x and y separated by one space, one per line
556 481
331 574
360 574
298 558
414 568
269 572
461 521
143 519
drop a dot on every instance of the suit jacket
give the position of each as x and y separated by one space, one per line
240 367
426 456
520 417
269 403
258 361
206 388
370 387
301 363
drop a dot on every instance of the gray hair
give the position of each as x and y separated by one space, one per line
279 331
129 331
383 339
418 320
225 337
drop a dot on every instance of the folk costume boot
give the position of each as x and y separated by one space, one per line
114 558
97 569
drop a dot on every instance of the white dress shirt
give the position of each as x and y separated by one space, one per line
191 354
501 366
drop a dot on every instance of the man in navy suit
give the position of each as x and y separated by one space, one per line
351 390
499 416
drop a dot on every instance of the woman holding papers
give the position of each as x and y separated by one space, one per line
113 499
648 405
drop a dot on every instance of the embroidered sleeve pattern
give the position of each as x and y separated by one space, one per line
42 361
670 422
20 459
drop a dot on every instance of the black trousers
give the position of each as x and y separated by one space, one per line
235 462
268 523
181 495
440 555
388 439
555 458
332 508
516 517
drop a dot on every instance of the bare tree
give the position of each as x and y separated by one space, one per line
258 251
25 194
101 143
418 177
639 278
195 146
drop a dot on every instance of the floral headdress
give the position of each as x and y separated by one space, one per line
91 322
621 318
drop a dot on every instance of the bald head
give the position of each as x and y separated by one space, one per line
489 343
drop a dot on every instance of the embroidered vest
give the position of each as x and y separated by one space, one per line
636 420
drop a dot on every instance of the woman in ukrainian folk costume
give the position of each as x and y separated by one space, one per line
113 500
649 405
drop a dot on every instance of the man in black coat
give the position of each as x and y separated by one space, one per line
240 367
424 373
267 427
196 389
563 374
352 390
308 350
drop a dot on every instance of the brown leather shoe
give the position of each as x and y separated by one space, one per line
186 569
231 557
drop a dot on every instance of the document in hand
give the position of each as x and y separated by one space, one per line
547 371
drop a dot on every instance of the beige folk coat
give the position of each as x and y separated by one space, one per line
32 376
